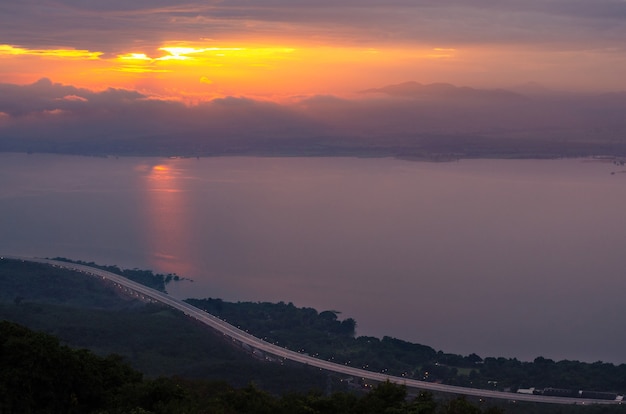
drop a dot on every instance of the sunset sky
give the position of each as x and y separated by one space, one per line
79 76
278 49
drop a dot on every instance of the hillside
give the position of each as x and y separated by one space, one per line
85 312
327 337
39 375
156 340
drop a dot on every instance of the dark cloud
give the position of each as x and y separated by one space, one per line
417 90
113 26
45 96
52 116
46 116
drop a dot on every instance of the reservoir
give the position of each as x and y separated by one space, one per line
513 258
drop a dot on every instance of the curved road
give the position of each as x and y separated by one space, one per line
259 344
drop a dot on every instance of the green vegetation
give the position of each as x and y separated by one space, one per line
39 375
325 336
85 312
145 277
22 282
186 368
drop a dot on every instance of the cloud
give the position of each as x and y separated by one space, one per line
395 119
74 98
113 26
43 95
573 44
130 121
417 90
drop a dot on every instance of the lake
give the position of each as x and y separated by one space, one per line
514 258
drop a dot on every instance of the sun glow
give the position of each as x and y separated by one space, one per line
134 56
195 72
54 53
208 53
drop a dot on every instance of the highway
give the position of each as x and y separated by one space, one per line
275 350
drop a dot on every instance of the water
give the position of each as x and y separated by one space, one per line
498 257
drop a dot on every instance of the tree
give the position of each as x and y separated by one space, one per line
384 397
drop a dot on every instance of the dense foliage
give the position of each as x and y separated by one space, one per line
145 277
325 336
28 282
84 312
38 375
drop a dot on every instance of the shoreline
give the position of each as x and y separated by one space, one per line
434 158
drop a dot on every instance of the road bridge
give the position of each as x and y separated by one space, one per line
255 343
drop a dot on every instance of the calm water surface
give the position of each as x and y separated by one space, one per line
498 257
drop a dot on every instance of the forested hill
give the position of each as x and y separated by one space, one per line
85 312
325 336
39 375
148 278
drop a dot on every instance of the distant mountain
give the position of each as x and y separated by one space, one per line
443 90
533 89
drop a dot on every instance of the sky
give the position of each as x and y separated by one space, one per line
296 68
279 49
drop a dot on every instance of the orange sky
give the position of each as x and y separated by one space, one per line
194 71
204 71
198 50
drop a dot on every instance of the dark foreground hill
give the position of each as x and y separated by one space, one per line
85 313
39 375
